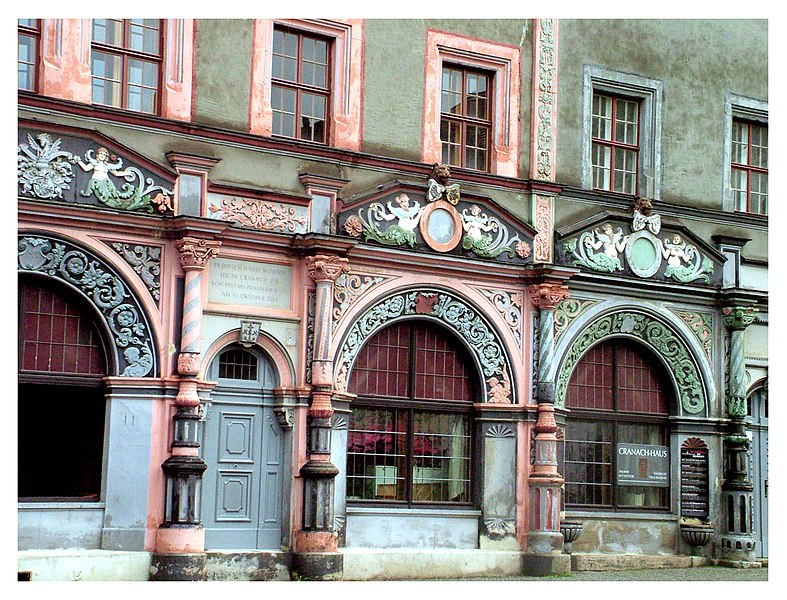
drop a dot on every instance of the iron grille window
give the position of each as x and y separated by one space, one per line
749 166
465 118
29 43
409 434
615 143
62 399
238 364
617 395
126 61
300 85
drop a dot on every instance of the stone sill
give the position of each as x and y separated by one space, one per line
30 506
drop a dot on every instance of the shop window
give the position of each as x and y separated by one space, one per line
615 143
126 63
749 166
410 430
29 48
300 85
62 400
616 447
465 117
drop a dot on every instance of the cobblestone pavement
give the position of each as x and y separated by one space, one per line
693 574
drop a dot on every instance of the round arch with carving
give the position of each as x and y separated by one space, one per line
133 347
459 316
281 362
656 334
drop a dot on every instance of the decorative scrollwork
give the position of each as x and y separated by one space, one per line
146 262
509 305
348 288
701 324
568 310
264 216
121 312
44 170
654 333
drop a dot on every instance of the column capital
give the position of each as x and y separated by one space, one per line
738 317
194 253
323 267
547 295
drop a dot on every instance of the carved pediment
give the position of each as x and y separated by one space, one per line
641 246
84 168
414 217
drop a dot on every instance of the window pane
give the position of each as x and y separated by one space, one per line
106 79
450 135
27 62
759 193
31 23
625 171
376 454
759 146
451 96
283 105
738 183
626 119
108 31
602 117
441 457
588 463
740 142
601 156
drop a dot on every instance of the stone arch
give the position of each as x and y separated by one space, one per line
132 346
461 317
692 386
270 347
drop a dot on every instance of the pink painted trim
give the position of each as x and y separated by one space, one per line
504 61
271 347
346 114
65 60
180 540
177 88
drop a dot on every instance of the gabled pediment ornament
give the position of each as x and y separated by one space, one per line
443 224
610 249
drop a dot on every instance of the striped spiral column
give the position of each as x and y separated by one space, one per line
192 312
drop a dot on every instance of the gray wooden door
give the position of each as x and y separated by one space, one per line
242 446
758 457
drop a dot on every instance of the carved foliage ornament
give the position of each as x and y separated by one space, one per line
655 334
326 268
348 288
195 253
568 310
546 296
146 262
264 216
45 171
545 98
454 313
120 311
509 305
738 317
701 324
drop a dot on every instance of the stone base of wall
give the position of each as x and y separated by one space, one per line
84 565
621 562
248 566
368 564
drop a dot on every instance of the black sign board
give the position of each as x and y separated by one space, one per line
694 482
643 464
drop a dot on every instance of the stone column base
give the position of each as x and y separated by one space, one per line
317 566
541 565
544 542
178 567
738 564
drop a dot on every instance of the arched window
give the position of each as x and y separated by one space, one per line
617 440
410 436
62 404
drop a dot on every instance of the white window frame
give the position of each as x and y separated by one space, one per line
650 94
738 107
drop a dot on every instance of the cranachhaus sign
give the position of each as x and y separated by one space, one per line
642 464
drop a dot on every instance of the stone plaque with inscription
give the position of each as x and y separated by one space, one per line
249 283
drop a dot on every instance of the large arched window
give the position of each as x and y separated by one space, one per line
62 403
617 440
410 436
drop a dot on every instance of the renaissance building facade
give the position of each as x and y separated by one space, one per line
390 299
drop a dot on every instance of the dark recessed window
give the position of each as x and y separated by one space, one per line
300 85
465 117
749 166
615 143
238 364
618 397
29 44
126 61
62 398
410 436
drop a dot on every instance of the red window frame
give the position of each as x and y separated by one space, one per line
127 54
464 120
35 33
748 168
300 88
615 144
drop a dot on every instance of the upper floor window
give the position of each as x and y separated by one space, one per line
126 62
615 143
29 36
749 166
465 118
300 85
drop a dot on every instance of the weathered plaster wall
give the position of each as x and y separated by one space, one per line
223 73
695 82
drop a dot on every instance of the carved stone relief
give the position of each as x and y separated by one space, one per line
146 262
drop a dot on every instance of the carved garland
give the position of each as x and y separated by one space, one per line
482 340
265 216
654 333
545 98
103 287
